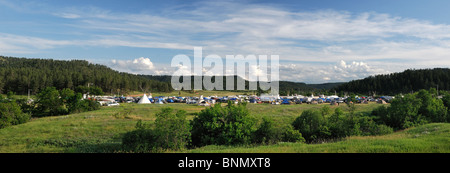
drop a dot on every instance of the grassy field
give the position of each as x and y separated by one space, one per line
429 138
102 130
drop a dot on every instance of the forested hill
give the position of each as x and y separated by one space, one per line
396 83
286 87
20 74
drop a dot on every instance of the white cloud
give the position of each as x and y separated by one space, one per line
340 72
137 66
11 43
358 39
68 15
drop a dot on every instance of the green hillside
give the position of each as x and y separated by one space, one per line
22 74
102 131
404 82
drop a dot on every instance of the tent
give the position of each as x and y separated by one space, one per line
144 100
159 100
381 101
285 101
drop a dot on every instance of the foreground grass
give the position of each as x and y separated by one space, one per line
95 131
430 138
102 130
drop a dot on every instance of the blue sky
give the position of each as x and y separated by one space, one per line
317 41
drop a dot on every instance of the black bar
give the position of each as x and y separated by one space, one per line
252 161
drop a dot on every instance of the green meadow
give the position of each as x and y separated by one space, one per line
101 131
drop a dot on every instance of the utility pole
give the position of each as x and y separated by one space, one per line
29 93
437 90
88 87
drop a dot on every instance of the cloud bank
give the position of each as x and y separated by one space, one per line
137 66
356 44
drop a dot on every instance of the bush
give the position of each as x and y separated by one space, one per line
51 102
89 105
316 128
412 110
383 130
311 125
267 133
229 125
380 113
292 135
369 128
48 103
26 107
431 108
11 114
446 102
171 131
403 112
139 141
336 124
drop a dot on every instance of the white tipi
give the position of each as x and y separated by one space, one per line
144 100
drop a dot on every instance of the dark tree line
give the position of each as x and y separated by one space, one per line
20 75
405 82
285 87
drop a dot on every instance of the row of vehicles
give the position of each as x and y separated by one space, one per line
271 99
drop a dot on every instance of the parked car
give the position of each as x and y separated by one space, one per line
113 104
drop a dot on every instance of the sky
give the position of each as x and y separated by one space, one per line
317 41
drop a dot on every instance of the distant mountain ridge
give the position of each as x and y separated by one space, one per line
410 80
285 87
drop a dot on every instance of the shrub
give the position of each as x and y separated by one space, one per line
432 109
49 103
139 141
311 125
292 135
383 130
267 133
171 131
229 125
413 109
325 111
403 112
336 124
446 102
52 102
89 105
11 114
369 127
380 113
26 107
315 128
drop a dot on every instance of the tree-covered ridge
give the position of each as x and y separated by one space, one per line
411 80
285 87
20 74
